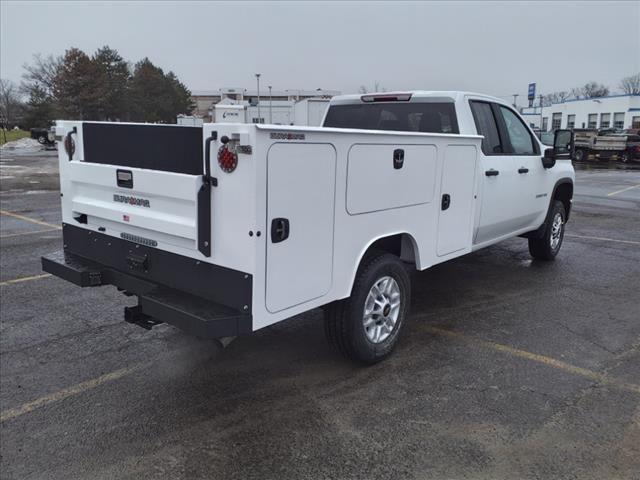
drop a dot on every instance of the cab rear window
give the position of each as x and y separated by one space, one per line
436 117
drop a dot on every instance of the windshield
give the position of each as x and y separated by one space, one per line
436 117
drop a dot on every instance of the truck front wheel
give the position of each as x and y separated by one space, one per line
580 155
365 327
548 245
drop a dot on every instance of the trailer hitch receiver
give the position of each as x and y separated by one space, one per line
135 316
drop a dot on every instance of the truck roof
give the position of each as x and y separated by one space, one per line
416 95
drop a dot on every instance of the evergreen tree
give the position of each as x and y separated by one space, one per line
76 87
112 83
156 97
40 109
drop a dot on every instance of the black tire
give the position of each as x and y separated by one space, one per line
42 139
344 319
625 157
543 248
580 155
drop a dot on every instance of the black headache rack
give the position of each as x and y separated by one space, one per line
202 299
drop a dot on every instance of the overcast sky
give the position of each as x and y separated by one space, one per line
491 47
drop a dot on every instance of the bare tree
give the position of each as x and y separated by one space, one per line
10 102
41 74
377 87
595 90
631 84
556 97
577 93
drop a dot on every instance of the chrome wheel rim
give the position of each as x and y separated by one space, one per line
381 309
556 231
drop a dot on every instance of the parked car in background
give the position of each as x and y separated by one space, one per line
44 136
632 151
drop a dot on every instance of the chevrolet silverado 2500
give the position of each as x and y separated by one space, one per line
224 229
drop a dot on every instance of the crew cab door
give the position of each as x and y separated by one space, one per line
531 187
498 174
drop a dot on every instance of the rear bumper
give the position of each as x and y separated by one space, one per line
168 290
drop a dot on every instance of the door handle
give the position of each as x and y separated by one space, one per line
279 230
492 173
446 201
523 170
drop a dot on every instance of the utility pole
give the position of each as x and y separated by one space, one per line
258 80
541 97
515 103
270 115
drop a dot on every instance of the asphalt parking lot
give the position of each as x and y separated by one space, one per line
509 369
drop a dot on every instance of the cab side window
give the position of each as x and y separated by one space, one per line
519 135
486 125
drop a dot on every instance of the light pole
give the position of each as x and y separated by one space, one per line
270 115
258 80
515 103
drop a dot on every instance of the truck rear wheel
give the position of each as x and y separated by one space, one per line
365 327
548 245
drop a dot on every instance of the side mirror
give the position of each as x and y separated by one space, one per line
562 148
563 145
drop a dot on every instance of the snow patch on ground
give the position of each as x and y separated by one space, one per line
24 144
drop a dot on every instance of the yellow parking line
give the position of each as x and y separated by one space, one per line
623 190
65 393
24 279
27 219
548 361
28 233
630 242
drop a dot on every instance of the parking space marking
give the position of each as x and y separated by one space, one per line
623 190
588 237
123 372
32 220
66 392
548 361
9 235
24 279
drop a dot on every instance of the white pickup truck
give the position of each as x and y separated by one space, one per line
224 229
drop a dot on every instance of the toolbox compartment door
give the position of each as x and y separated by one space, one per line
300 219
385 176
457 189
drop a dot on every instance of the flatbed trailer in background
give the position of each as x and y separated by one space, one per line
589 142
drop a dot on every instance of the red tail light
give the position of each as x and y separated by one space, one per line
227 159
69 145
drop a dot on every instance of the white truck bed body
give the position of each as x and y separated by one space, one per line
338 189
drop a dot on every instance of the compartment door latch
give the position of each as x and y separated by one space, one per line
279 230
398 158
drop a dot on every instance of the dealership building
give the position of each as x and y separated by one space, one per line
614 111
277 104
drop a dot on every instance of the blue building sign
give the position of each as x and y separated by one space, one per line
531 94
